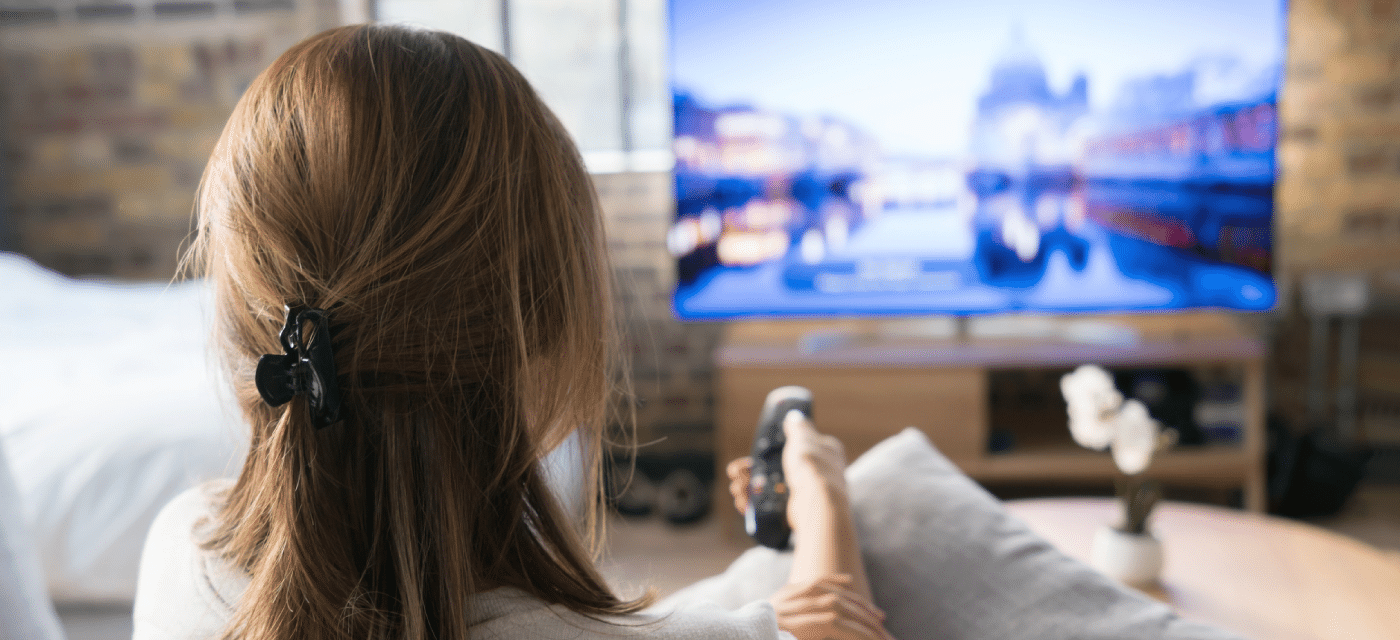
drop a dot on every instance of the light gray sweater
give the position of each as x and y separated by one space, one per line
187 593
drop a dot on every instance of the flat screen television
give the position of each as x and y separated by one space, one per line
888 157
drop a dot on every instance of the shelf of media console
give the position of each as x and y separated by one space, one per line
993 354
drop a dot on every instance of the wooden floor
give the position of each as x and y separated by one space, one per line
1372 516
650 553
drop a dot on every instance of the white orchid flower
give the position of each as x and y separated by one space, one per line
1092 401
1135 438
1100 419
1090 430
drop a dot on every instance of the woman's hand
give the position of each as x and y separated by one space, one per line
819 509
814 466
827 609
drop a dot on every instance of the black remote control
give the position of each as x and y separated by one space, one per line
766 517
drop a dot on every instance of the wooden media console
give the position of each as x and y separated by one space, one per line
872 378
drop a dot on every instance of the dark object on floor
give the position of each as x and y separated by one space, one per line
677 484
1384 466
629 491
683 497
1311 474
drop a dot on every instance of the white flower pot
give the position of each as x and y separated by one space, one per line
1130 558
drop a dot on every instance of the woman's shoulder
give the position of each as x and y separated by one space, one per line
183 590
511 613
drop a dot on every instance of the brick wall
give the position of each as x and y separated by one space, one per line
670 360
1339 198
108 114
1339 148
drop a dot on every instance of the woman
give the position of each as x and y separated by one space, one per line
413 306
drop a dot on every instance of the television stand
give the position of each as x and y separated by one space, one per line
872 378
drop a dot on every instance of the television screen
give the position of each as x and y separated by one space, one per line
951 157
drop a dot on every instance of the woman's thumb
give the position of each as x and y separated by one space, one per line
795 423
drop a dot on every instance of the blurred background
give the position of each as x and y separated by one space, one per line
109 110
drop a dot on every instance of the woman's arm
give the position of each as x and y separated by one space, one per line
819 508
827 587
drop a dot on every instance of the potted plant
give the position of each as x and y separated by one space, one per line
1100 418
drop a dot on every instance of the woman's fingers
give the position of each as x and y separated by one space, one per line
858 607
739 467
740 492
739 472
828 608
841 583
829 626
796 426
843 603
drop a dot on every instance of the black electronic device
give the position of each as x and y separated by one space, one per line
766 517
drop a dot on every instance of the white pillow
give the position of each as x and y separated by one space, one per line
109 408
26 613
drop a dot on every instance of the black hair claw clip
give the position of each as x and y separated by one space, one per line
303 369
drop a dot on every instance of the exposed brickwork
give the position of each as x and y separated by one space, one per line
107 119
1339 189
670 360
1339 150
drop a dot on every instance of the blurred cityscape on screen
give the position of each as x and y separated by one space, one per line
888 157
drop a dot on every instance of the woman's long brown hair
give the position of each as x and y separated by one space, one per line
413 185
